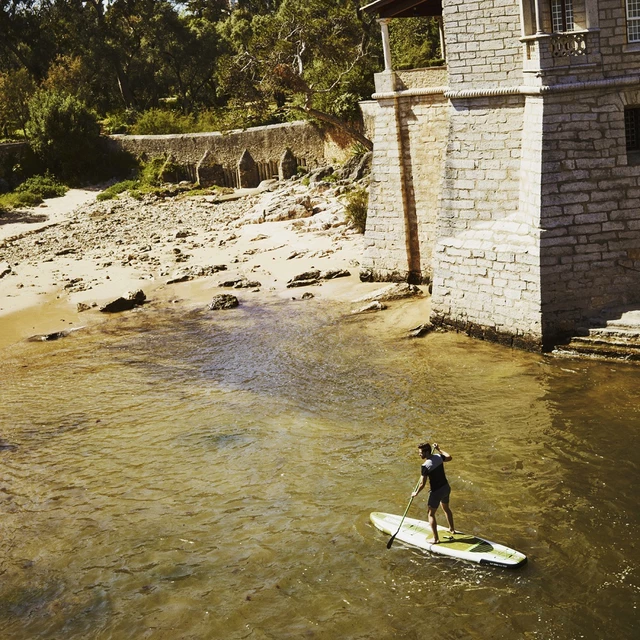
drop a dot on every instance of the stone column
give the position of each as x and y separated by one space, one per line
592 14
386 47
443 45
538 11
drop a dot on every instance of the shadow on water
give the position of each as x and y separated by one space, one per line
208 475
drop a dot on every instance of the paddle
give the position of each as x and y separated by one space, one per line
393 537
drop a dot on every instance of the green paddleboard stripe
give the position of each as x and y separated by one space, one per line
483 547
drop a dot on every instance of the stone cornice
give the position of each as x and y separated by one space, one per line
409 93
486 92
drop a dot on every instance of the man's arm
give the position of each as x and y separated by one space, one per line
445 456
423 480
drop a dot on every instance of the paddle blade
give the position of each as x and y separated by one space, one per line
391 539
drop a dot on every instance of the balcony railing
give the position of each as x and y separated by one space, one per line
564 45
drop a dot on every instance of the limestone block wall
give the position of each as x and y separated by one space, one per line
486 262
618 56
409 147
590 213
483 43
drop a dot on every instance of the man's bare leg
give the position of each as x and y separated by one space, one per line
449 515
434 524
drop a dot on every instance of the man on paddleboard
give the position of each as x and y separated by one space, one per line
433 468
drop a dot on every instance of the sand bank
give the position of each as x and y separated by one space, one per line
76 252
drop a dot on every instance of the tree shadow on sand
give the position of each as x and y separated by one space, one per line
22 217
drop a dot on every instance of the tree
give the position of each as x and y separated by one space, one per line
317 56
23 41
16 89
63 133
415 43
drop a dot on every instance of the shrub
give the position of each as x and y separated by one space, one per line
119 122
356 209
16 200
147 178
115 189
32 192
159 122
64 134
151 172
45 186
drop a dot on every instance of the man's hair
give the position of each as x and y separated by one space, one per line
425 445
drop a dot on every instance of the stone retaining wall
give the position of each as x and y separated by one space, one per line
310 145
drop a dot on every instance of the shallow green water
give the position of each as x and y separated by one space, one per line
211 475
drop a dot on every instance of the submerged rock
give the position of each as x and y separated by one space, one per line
54 335
48 337
7 446
396 291
422 330
372 306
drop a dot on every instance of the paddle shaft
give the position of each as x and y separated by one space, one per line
404 515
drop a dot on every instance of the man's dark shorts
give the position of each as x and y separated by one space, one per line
438 496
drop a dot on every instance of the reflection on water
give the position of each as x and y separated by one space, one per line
211 475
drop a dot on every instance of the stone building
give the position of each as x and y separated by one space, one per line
510 178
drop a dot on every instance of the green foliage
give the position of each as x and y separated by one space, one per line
356 209
69 75
314 56
116 189
45 186
357 149
15 200
160 121
64 134
16 88
331 178
415 43
119 121
149 178
151 171
196 65
32 192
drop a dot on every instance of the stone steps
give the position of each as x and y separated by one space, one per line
616 337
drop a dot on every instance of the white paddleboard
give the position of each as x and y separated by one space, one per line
463 546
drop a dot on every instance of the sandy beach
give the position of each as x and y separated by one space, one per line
64 260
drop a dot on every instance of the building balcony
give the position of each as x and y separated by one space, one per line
549 54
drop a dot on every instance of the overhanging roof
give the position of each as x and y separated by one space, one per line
404 8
